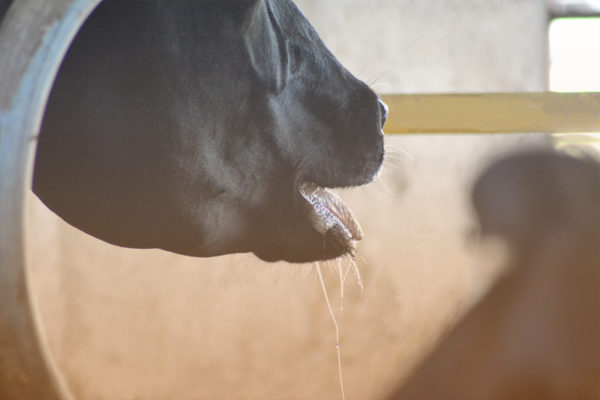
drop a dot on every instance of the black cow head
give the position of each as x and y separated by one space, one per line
206 128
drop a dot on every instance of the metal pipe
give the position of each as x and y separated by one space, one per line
34 36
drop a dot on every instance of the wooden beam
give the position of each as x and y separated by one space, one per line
493 113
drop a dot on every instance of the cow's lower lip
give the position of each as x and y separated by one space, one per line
330 216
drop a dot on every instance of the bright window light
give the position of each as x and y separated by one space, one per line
575 67
575 55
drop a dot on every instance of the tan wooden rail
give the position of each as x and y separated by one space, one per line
493 113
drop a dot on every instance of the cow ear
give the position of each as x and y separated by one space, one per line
266 46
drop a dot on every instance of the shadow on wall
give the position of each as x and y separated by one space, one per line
535 335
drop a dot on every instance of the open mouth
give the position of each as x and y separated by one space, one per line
331 217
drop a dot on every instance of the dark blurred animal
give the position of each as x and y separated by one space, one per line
205 128
536 335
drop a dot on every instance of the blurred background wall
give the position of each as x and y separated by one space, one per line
131 324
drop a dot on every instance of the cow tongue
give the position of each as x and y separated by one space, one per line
330 212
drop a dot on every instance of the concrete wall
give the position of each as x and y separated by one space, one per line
133 324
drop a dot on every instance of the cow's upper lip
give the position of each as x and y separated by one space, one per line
330 216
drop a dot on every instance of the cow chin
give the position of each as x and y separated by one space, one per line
323 247
319 227
307 246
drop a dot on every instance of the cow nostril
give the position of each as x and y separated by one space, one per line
384 112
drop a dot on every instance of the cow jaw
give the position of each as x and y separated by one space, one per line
331 217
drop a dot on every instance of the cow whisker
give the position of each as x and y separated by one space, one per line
380 86
303 270
338 345
380 196
376 83
381 199
381 184
389 145
397 161
346 273
388 163
398 154
394 157
354 267
398 151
